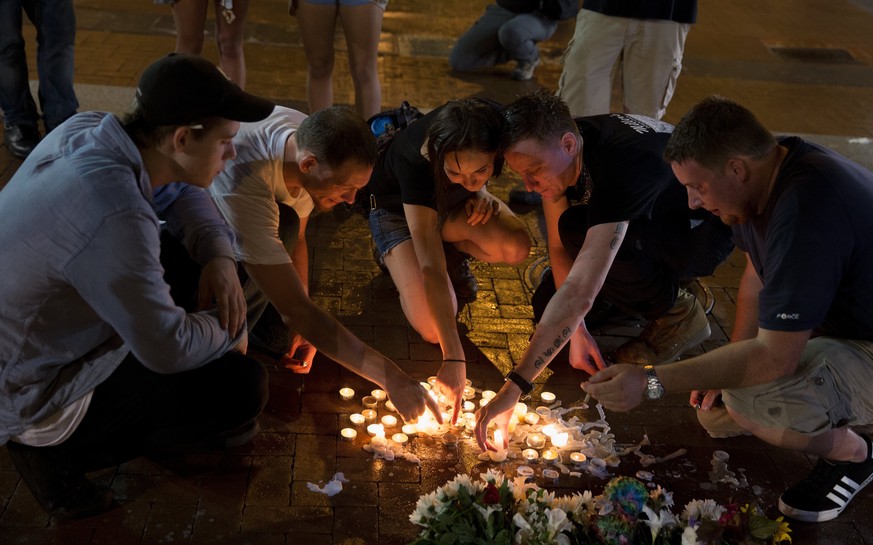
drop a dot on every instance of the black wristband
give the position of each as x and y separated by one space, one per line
525 386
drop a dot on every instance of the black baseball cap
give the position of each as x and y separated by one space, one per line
181 88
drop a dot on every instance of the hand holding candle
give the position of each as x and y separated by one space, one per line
409 397
498 455
499 410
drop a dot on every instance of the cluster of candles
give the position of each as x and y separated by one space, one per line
545 440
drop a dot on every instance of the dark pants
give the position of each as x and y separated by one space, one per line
137 411
55 23
652 260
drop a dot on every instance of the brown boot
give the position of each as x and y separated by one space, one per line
667 337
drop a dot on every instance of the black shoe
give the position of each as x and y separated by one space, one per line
828 489
463 280
20 139
62 492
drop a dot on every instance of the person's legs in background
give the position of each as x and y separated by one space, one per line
362 26
317 23
586 81
55 22
480 46
651 66
19 110
229 39
520 36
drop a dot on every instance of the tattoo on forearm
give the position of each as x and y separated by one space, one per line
614 243
552 350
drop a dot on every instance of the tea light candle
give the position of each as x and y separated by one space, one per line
369 415
357 419
578 457
389 421
348 434
425 385
500 454
550 475
531 418
376 429
469 406
400 438
525 471
598 464
390 406
520 411
530 454
468 383
550 454
409 429
560 440
470 424
469 392
369 402
346 393
547 397
544 412
549 429
488 394
483 402
536 440
380 395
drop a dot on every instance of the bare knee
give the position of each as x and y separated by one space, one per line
517 248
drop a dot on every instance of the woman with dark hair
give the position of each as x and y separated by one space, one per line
430 211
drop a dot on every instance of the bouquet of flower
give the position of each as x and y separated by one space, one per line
494 509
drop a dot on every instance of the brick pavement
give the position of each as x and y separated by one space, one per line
257 493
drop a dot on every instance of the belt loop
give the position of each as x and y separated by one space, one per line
372 202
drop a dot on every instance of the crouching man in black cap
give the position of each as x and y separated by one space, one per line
97 363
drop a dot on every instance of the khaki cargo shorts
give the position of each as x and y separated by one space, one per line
831 388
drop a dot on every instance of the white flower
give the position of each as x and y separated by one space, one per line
428 506
520 488
698 510
656 521
450 489
659 494
557 522
486 512
581 505
689 536
492 476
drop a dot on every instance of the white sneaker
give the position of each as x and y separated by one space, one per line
525 70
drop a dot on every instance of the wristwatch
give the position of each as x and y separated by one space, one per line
654 388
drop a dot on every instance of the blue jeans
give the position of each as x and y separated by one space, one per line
499 36
55 23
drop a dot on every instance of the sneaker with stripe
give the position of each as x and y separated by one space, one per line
828 489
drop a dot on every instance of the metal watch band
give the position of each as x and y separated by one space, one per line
525 386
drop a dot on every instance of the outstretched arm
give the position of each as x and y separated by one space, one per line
562 317
283 288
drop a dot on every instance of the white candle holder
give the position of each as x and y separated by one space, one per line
547 397
369 415
357 419
535 440
380 395
389 421
530 454
346 393
348 434
400 438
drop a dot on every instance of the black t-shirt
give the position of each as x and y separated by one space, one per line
402 175
813 245
624 170
680 11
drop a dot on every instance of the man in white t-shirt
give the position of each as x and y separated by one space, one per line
286 166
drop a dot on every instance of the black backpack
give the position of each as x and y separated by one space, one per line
385 125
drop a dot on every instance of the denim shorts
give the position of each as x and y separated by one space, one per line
388 229
829 389
381 3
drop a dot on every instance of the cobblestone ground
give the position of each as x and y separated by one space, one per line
258 493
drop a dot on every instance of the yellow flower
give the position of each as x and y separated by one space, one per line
782 532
